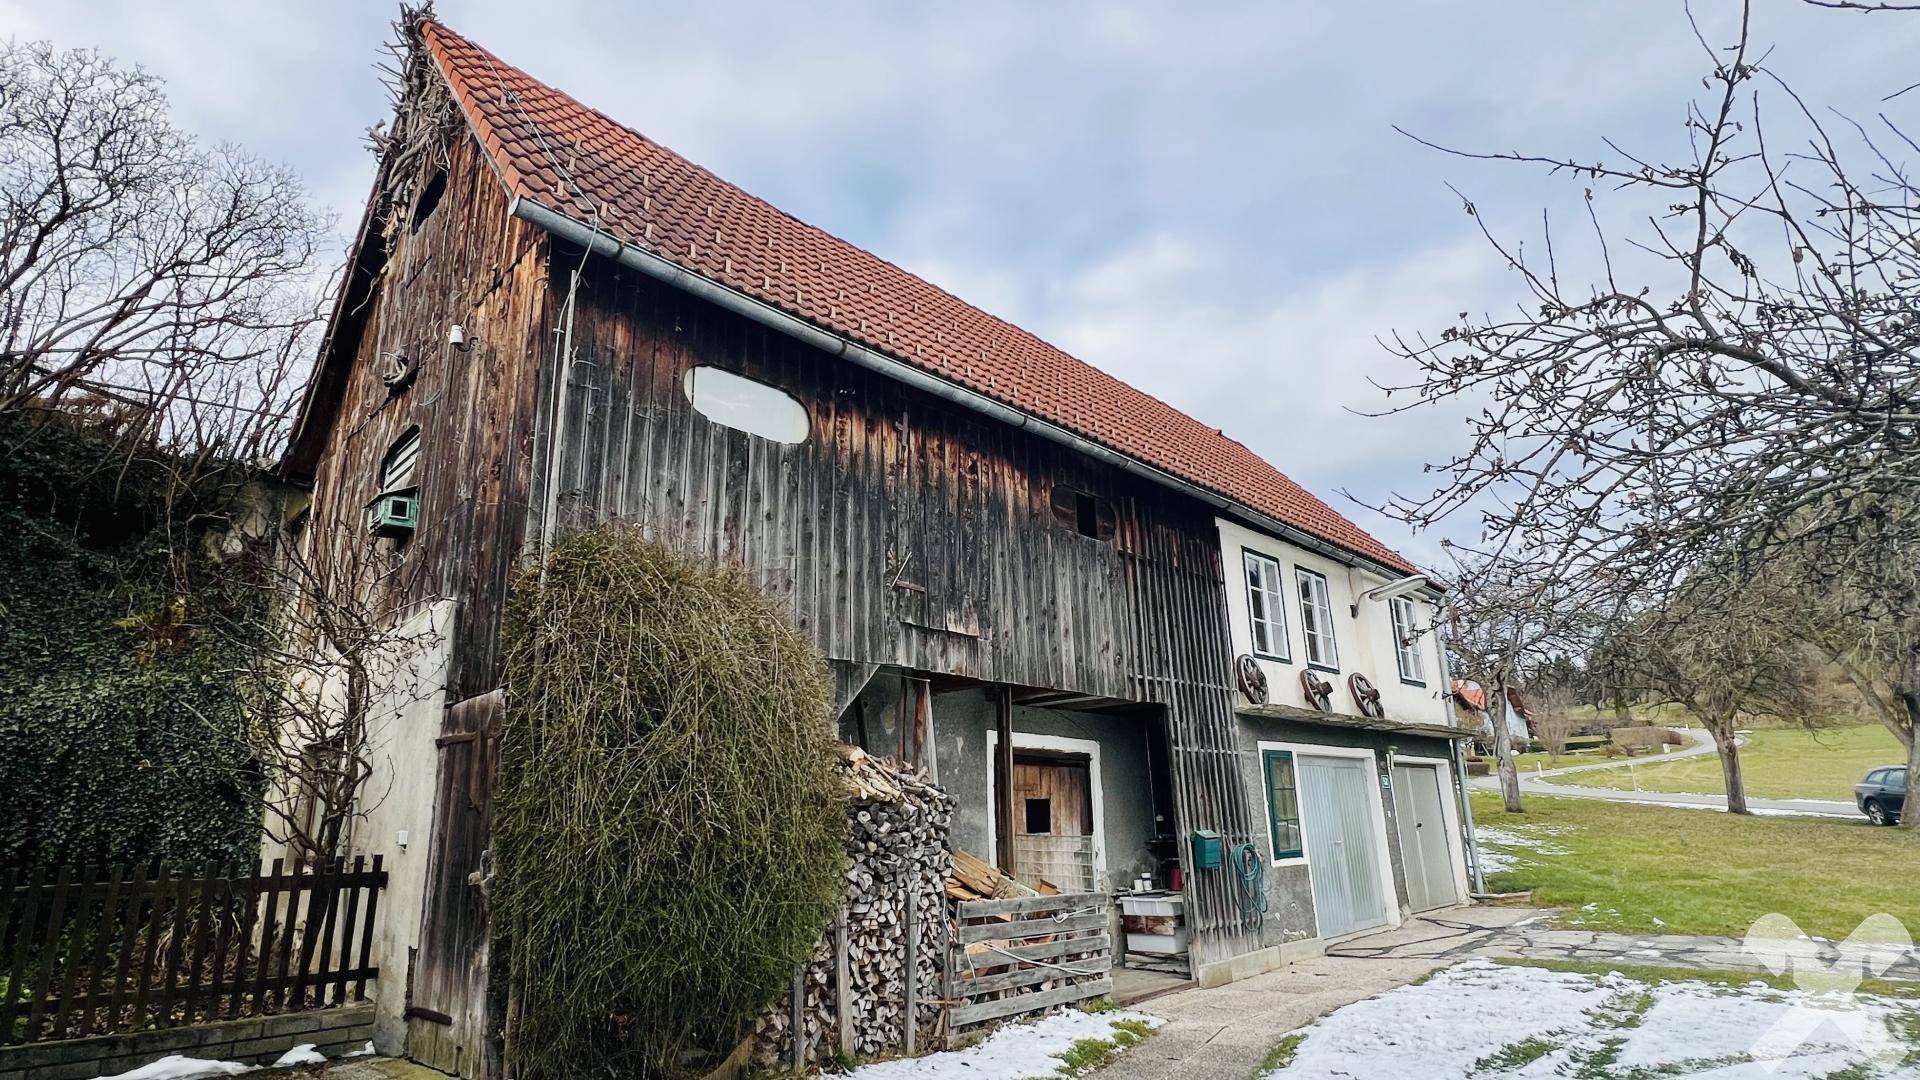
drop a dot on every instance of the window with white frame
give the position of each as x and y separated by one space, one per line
1316 619
1406 640
1266 606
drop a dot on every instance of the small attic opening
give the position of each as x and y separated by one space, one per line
429 200
1087 514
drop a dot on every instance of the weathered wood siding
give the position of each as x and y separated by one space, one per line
904 531
468 263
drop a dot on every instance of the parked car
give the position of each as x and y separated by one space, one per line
1882 795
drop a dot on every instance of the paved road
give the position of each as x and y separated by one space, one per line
1547 782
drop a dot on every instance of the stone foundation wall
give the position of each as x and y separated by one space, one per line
333 1032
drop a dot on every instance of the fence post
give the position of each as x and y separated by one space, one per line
799 1033
842 993
912 975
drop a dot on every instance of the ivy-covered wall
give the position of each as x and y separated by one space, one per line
118 730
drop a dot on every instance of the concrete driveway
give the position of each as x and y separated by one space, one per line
1554 782
1227 1031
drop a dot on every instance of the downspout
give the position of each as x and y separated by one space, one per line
1459 764
767 315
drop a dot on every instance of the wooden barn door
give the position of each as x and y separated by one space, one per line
1053 821
447 1005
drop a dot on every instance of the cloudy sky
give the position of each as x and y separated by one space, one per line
1214 207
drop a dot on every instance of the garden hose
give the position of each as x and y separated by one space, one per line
1251 872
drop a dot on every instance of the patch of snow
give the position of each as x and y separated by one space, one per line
1442 1028
180 1067
1497 862
304 1054
1534 838
365 1051
1011 1053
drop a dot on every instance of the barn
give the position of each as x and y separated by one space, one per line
1141 658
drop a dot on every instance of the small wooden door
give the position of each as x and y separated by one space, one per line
447 1003
1053 821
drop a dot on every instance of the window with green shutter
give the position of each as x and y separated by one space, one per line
1283 804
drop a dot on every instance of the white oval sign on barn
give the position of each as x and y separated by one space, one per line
746 405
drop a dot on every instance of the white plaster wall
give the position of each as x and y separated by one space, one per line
1364 641
399 797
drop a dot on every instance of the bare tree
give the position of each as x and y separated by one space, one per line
1553 722
1744 359
1861 594
332 663
140 269
1741 363
1729 646
1506 617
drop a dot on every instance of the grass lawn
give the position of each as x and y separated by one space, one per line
1657 869
1780 763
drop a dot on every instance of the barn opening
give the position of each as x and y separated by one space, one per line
1090 807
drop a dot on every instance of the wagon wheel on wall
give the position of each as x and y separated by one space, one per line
1366 696
1252 680
1319 692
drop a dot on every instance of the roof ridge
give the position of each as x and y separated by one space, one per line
638 186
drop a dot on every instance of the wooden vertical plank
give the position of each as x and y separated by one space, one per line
366 932
1003 777
910 974
203 894
139 889
43 981
799 1032
247 905
842 984
283 950
269 929
224 913
110 927
82 919
29 907
338 995
180 889
325 940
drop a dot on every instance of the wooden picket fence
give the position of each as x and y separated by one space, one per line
1020 955
104 949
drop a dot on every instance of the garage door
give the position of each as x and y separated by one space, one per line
1426 852
1343 856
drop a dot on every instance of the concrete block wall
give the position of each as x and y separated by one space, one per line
333 1032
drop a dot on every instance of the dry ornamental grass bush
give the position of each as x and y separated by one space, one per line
669 825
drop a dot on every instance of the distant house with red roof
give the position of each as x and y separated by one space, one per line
1106 626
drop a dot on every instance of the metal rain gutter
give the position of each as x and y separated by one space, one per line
767 315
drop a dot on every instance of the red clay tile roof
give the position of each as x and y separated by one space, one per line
557 152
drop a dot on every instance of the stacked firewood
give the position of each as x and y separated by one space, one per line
898 853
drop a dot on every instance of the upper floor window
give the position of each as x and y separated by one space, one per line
1266 606
746 405
1316 619
1406 640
